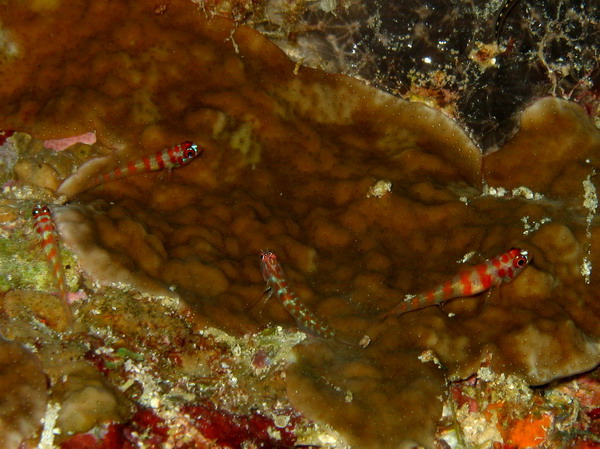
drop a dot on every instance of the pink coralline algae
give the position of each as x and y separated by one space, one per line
88 138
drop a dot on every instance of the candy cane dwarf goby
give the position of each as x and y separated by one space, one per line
277 284
170 158
479 278
45 228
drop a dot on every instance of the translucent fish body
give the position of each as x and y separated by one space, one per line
502 268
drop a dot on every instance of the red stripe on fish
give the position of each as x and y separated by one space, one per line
45 228
467 286
160 163
275 278
170 158
477 279
131 167
485 277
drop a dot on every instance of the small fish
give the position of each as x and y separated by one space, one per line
170 158
276 283
477 279
506 8
45 228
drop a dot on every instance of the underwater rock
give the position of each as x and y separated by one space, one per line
292 155
86 400
33 166
41 175
517 416
561 165
23 394
446 54
37 165
43 306
117 231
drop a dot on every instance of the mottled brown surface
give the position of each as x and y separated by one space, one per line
290 160
86 399
43 306
23 394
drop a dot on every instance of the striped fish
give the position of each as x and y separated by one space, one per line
45 228
170 158
276 281
477 279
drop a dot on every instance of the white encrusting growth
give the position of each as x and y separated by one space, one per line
590 202
8 45
493 191
466 257
528 194
517 192
379 189
528 228
50 429
408 297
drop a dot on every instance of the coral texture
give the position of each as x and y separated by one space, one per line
293 156
445 53
23 393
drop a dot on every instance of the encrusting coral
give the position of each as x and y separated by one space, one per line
24 394
292 158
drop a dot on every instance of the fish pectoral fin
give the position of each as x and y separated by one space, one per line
397 310
266 295
35 246
441 307
165 175
262 300
488 294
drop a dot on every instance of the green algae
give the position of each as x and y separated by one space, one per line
7 162
20 268
125 353
23 264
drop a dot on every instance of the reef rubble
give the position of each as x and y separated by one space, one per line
452 55
365 197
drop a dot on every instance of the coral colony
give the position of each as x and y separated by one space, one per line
370 202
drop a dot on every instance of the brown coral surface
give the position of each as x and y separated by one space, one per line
290 164
23 393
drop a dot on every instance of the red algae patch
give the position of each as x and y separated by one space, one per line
364 198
